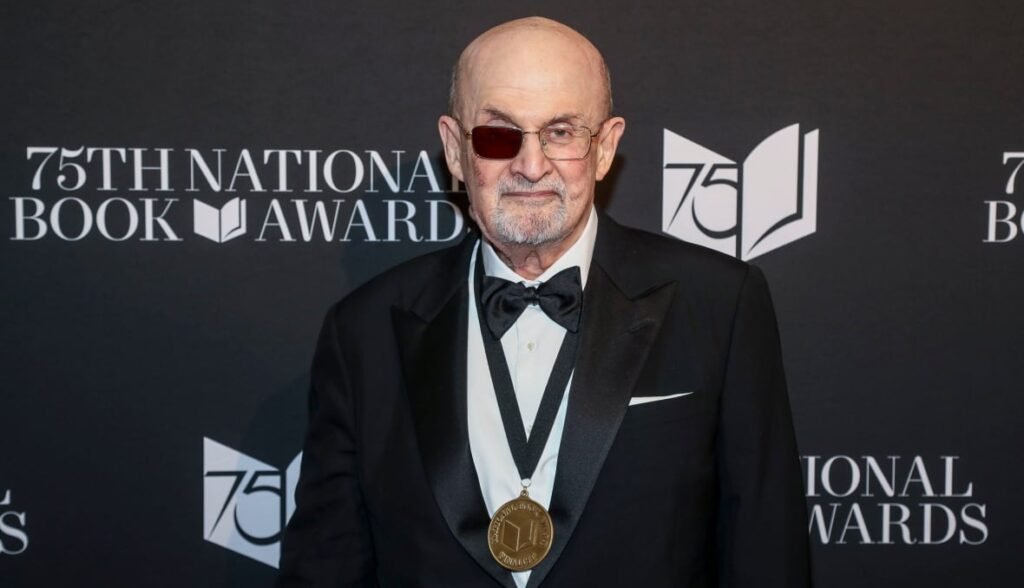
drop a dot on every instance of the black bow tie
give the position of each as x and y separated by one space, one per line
560 298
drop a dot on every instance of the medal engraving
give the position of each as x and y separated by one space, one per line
520 534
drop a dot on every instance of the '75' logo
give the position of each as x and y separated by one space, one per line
246 503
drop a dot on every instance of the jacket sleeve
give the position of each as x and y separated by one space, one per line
328 542
762 514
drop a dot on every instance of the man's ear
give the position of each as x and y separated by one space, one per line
607 143
451 138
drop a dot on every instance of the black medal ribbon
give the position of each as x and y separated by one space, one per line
566 308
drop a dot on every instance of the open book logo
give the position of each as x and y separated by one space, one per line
747 209
246 503
219 224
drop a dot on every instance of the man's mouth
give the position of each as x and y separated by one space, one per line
532 194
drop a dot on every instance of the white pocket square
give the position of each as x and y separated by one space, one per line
645 399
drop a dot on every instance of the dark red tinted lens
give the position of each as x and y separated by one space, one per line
497 142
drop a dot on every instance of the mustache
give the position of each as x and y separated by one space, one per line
520 184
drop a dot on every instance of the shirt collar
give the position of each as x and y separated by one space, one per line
580 254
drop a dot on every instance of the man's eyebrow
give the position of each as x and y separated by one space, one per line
569 117
495 113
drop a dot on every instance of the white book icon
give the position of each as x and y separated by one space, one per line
219 224
747 209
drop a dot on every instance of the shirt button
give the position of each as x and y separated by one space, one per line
530 346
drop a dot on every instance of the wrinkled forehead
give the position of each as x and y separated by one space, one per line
531 75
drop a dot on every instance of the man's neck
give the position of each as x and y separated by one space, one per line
530 262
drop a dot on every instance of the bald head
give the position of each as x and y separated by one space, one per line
514 50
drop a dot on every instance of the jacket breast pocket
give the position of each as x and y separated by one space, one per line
671 439
658 409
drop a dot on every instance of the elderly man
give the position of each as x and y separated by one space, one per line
557 400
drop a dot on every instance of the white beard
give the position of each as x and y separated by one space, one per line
531 224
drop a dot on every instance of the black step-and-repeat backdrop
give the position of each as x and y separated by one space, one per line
186 186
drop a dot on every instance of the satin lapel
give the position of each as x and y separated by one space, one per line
617 334
433 352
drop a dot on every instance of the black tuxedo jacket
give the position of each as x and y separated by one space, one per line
697 491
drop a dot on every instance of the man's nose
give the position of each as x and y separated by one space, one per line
530 162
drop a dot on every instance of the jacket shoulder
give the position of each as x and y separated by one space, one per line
661 258
403 284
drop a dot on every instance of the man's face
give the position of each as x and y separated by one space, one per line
530 80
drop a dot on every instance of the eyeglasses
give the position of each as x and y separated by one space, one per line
559 142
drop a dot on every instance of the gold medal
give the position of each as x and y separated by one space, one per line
520 533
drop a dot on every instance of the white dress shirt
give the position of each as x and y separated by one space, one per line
530 345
